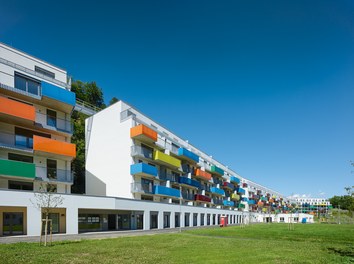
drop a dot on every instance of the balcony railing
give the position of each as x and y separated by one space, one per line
228 185
141 152
169 177
202 198
141 188
188 196
190 182
217 191
12 141
57 123
218 201
17 168
53 174
19 91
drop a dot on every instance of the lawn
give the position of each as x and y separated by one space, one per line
261 243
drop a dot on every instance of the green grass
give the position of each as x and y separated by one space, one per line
262 243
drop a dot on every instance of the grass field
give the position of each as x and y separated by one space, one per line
261 243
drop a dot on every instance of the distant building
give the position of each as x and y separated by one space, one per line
314 206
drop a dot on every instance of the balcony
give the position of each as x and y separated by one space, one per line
234 179
235 197
241 191
17 169
166 191
165 159
168 177
205 188
143 169
241 206
202 175
16 142
57 124
141 188
244 185
189 182
263 198
57 97
218 201
143 133
202 198
217 191
217 170
228 203
229 186
55 175
188 196
138 151
53 147
260 203
186 154
12 111
244 199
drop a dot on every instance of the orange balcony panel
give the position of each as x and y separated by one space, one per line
143 132
203 174
54 146
17 109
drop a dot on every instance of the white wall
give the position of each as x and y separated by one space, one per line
28 61
108 159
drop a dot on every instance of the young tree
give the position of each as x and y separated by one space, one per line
45 201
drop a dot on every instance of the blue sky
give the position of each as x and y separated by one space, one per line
266 87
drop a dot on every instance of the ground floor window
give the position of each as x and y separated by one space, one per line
186 219
139 221
12 223
177 222
202 219
281 219
195 219
166 220
54 217
153 220
90 222
124 222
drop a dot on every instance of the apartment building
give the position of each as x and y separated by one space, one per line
139 175
35 131
141 160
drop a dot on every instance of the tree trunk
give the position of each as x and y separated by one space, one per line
46 229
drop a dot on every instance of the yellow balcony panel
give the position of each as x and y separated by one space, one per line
166 159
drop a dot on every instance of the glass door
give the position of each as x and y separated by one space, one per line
12 224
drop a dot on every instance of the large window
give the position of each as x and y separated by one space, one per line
44 72
51 169
24 137
17 185
27 84
18 157
51 118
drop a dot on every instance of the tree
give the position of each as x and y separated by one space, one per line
92 94
113 100
45 200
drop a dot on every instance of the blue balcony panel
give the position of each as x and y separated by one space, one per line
251 202
234 179
228 203
59 94
143 169
245 199
185 180
188 154
240 190
165 191
217 191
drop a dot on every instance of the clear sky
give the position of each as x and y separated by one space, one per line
266 87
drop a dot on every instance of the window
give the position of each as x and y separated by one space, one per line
281 219
18 157
27 84
51 169
44 72
146 185
17 185
51 118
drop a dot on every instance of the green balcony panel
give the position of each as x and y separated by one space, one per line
216 169
17 168
166 159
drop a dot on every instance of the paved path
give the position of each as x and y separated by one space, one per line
96 235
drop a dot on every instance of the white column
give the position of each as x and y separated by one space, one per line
33 221
72 220
160 220
146 220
